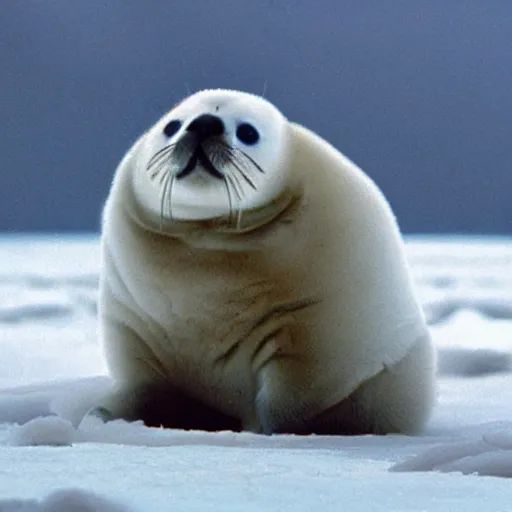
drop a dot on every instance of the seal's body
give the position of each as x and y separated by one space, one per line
254 278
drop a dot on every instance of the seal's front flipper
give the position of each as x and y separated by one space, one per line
162 406
100 412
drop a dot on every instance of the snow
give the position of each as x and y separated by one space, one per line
51 371
49 430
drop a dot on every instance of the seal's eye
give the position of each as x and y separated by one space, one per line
172 127
247 134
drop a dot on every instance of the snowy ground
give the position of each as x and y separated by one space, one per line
50 362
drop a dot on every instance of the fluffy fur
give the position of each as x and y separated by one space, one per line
285 305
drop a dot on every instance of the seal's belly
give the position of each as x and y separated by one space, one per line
220 344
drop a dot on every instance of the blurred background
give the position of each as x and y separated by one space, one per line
419 94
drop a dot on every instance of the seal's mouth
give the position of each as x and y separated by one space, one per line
200 157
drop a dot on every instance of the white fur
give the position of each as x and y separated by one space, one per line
171 305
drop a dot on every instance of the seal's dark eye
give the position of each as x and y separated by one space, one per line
172 127
247 134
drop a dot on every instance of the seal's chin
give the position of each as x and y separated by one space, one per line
199 196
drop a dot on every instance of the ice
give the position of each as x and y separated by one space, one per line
52 372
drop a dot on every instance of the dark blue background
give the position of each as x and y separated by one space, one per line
418 93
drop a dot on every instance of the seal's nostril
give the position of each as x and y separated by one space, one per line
206 125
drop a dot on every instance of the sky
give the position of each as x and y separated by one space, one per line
416 93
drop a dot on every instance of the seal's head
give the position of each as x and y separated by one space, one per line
217 154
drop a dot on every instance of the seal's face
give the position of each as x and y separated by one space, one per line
216 154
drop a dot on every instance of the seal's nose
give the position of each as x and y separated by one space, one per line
206 126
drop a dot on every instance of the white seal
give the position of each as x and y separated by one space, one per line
254 278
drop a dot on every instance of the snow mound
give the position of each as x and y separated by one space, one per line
441 310
50 430
489 456
469 345
66 500
472 362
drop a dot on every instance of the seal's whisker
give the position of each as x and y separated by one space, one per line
228 151
162 159
253 162
240 162
158 170
238 210
230 199
244 162
160 154
237 186
238 217
219 153
172 176
164 175
235 183
167 177
244 176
